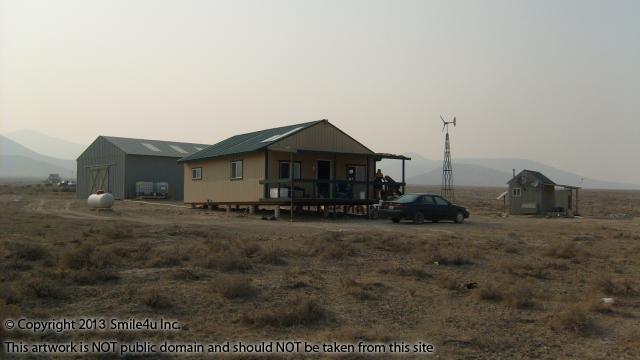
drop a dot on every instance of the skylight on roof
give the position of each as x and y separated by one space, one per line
279 136
151 147
178 149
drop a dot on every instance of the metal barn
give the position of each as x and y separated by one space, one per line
115 164
530 192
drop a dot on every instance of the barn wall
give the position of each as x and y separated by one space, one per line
154 169
321 137
101 153
216 184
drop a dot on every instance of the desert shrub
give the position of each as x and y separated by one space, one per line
525 268
573 318
41 288
273 255
450 257
235 287
155 298
184 275
87 257
449 282
296 312
228 261
250 249
363 290
167 260
93 276
415 272
521 296
30 251
616 287
338 251
491 291
118 233
563 251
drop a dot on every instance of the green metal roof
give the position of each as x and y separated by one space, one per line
154 147
248 142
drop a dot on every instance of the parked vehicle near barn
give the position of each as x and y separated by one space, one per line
421 207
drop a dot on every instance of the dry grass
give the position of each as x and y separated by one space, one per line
155 298
514 279
235 287
298 311
574 318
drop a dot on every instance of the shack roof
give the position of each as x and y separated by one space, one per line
538 175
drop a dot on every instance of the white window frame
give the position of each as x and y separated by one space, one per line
235 165
196 173
516 192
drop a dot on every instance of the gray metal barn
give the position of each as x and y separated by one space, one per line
115 164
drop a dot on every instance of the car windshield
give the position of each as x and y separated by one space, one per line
409 198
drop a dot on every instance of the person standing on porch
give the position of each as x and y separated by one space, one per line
377 184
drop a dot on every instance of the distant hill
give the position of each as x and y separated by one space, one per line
19 161
464 175
488 172
45 144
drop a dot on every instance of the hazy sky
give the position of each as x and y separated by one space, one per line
553 81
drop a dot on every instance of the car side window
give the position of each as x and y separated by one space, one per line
426 200
440 201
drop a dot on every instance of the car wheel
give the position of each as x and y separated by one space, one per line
395 220
418 218
459 218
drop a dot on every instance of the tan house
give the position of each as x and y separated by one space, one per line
313 163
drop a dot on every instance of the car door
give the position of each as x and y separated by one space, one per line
427 206
443 208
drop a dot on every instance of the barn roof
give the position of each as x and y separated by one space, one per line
154 147
538 175
248 142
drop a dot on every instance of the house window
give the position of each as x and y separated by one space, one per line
357 173
516 192
285 168
236 170
196 173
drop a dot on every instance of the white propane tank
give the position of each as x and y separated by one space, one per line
100 201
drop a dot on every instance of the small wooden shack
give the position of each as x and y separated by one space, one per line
531 192
312 163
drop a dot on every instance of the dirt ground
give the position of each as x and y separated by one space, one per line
499 287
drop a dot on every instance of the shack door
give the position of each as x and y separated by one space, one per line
99 179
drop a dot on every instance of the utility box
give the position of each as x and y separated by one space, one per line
144 188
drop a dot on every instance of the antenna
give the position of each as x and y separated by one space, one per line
447 169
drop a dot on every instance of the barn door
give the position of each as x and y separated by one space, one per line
99 179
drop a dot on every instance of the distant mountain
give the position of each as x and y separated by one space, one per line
45 144
16 166
19 161
488 172
464 175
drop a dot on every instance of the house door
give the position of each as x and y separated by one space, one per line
324 173
99 179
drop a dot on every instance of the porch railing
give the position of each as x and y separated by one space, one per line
317 189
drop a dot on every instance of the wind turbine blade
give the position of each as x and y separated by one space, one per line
442 119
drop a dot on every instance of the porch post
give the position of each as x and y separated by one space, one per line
291 191
403 179
368 182
266 173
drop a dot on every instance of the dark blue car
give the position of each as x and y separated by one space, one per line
421 207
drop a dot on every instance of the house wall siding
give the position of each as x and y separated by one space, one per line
216 184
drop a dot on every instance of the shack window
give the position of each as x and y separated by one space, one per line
285 168
236 170
516 192
196 173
